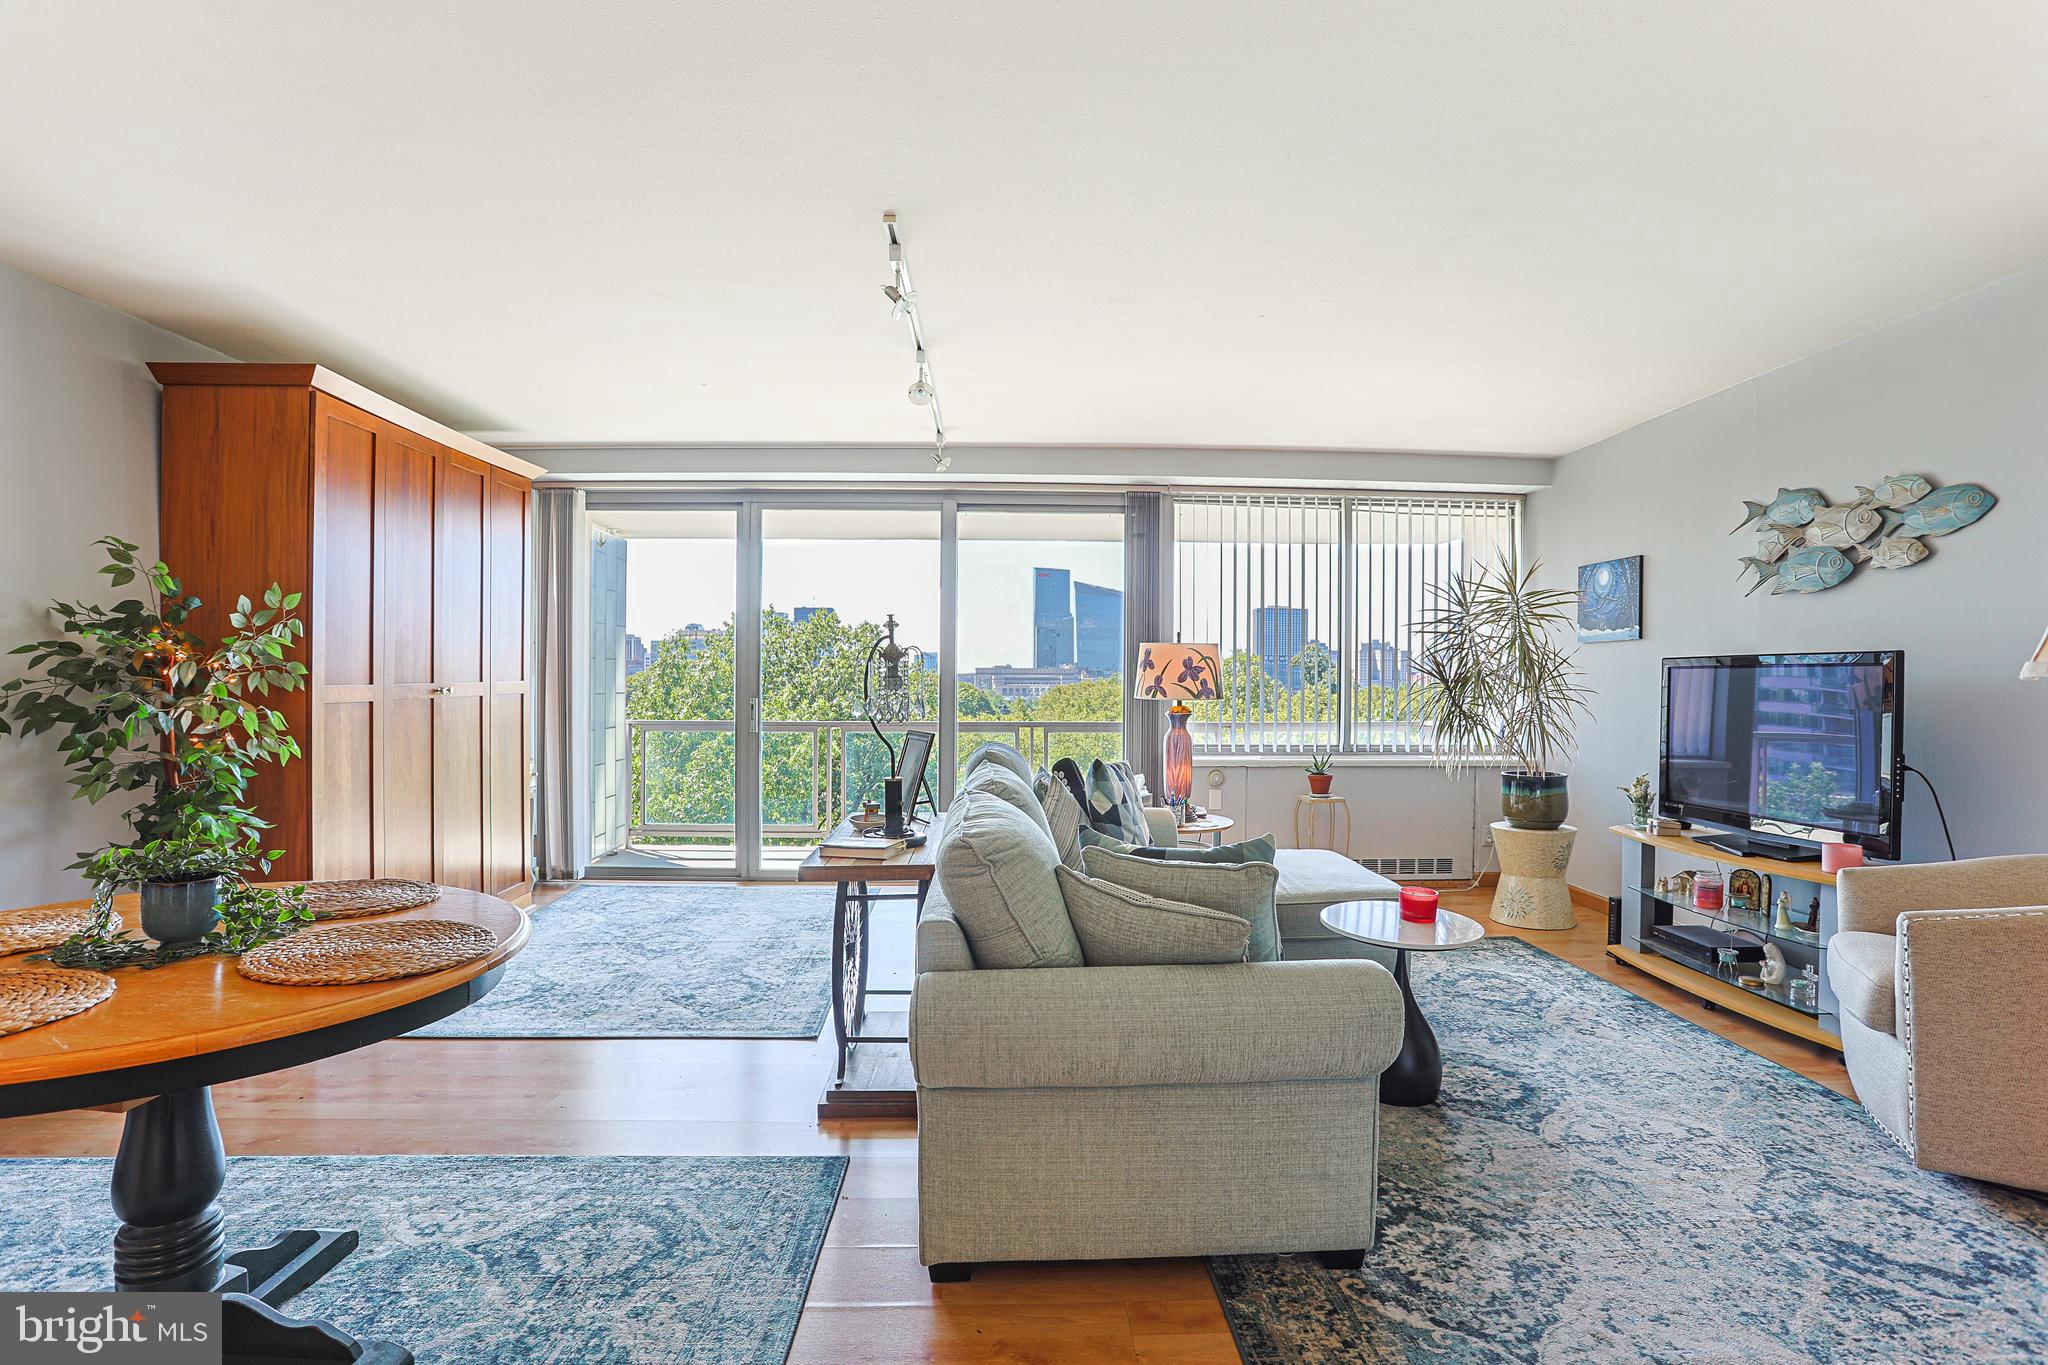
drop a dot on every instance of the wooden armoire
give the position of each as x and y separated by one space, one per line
409 542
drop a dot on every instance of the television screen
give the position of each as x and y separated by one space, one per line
1793 746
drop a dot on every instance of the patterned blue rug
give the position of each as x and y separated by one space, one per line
1606 1181
638 961
495 1259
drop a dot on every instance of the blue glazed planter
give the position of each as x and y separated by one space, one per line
180 912
1534 800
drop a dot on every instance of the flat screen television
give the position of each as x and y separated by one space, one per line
1790 750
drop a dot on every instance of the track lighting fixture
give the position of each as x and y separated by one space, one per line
903 304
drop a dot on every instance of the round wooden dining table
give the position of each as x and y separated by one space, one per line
156 1048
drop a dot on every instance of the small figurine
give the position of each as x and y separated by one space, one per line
1812 921
1773 969
1782 919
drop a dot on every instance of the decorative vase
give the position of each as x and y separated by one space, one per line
1319 783
1180 757
180 912
1534 800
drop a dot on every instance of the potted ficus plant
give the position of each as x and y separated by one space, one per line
1319 774
1496 679
143 707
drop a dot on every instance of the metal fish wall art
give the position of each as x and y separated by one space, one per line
1841 527
1792 507
1896 490
1946 509
1805 544
1813 569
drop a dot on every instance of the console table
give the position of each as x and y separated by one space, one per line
1645 909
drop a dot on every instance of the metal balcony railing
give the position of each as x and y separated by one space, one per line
812 771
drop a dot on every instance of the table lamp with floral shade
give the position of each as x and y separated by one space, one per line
1179 673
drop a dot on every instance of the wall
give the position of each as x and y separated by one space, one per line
78 453
1398 809
1958 393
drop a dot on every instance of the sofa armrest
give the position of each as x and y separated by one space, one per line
1165 828
1971 1018
1092 1027
1870 899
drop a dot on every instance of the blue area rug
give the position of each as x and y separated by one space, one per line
495 1259
1606 1181
637 961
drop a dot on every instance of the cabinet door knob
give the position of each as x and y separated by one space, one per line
446 690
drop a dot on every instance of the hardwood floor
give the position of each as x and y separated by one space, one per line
870 1301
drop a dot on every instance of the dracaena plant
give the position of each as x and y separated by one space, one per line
143 706
1495 675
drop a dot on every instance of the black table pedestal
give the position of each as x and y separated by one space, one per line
168 1175
1416 1075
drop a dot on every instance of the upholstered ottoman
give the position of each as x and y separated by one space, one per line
1311 878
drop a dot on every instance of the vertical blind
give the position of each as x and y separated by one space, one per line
1316 603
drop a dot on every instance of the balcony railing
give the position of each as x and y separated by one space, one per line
812 771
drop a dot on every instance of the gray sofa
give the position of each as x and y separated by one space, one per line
1068 1112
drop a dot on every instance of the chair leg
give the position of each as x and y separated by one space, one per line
1342 1260
951 1272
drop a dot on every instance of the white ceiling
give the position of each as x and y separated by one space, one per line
1509 227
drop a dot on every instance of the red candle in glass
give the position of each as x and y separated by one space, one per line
1418 903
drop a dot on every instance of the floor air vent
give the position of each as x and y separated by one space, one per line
1408 867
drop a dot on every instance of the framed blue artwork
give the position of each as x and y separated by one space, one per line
1611 600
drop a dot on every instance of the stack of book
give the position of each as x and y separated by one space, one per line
860 846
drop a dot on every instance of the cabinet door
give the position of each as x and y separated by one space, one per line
510 846
403 653
461 500
343 748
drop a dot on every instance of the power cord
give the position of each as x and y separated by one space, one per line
1937 809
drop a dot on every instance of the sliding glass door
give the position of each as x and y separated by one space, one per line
730 648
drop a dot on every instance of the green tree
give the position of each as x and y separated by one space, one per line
1802 794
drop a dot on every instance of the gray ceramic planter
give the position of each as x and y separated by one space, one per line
180 912
1534 800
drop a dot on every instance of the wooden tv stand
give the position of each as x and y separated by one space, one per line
1641 909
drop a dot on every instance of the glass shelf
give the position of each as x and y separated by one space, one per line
1777 995
1758 922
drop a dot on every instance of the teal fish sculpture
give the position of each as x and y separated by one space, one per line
1792 507
1896 490
1813 569
1944 510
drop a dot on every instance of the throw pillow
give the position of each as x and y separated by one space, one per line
1119 927
996 866
1114 806
1062 816
1245 890
998 753
1258 850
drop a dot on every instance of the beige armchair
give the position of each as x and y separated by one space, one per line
1941 972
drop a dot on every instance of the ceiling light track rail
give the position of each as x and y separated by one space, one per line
902 296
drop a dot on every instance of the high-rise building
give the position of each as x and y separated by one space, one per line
1012 683
1052 618
1382 664
1278 635
803 614
1099 629
636 654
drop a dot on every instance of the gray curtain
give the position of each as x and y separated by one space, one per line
561 570
1148 615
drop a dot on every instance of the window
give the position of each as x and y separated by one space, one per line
1316 603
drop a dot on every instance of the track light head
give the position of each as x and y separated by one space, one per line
922 393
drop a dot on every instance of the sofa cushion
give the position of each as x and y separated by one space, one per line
1063 817
995 865
1002 755
1244 890
1256 850
1321 876
998 780
1861 969
1119 927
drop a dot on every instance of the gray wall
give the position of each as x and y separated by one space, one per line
1958 393
78 460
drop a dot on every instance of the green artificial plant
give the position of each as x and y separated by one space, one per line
249 915
143 705
1495 676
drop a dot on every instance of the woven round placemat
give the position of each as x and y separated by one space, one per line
43 927
347 954
42 995
374 896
